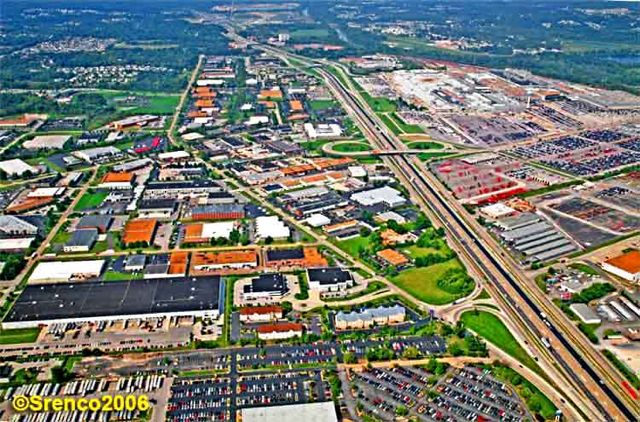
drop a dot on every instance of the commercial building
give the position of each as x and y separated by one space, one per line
271 227
370 317
204 232
113 180
279 331
47 142
57 271
218 212
330 279
308 257
385 195
265 287
93 155
12 226
260 313
157 208
16 167
81 240
116 300
139 231
305 412
322 131
180 189
585 313
95 221
211 261
626 266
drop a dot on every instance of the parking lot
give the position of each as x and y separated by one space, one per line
218 398
461 394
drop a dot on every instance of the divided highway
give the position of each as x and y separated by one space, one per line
615 409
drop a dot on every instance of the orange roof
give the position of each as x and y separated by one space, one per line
287 171
139 231
113 177
225 257
340 226
204 103
193 233
178 262
298 116
268 104
324 163
629 262
296 105
392 257
261 310
28 204
279 327
270 93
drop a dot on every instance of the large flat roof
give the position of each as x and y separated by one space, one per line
94 299
307 412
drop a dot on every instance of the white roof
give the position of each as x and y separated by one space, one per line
357 171
47 141
318 220
173 155
305 412
216 230
256 120
15 167
11 244
271 226
192 136
497 210
65 270
385 194
45 192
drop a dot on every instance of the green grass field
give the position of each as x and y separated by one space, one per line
379 104
321 104
415 251
352 246
422 283
390 124
115 276
19 335
351 147
405 127
309 33
493 330
424 145
90 200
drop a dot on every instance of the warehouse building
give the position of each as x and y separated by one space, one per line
12 226
116 300
585 313
385 195
266 287
626 266
306 412
370 317
157 208
16 167
95 221
271 227
218 212
81 240
58 271
294 257
212 261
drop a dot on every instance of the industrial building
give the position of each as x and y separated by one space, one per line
585 313
385 195
116 300
307 412
294 257
59 271
218 212
265 286
271 227
626 266
81 240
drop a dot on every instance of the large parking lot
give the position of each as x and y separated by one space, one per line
461 394
218 398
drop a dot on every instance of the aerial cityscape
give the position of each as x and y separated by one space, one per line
319 210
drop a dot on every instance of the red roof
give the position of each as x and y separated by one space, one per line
260 310
279 327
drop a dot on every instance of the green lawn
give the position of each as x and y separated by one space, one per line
424 145
493 330
351 147
380 104
90 200
321 104
415 251
584 268
19 335
115 276
352 246
390 124
405 127
422 283
309 33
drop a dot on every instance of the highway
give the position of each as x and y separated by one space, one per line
607 402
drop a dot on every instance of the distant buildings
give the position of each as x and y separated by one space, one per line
626 266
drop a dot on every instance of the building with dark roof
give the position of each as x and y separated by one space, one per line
116 300
265 287
81 240
330 279
99 222
157 208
